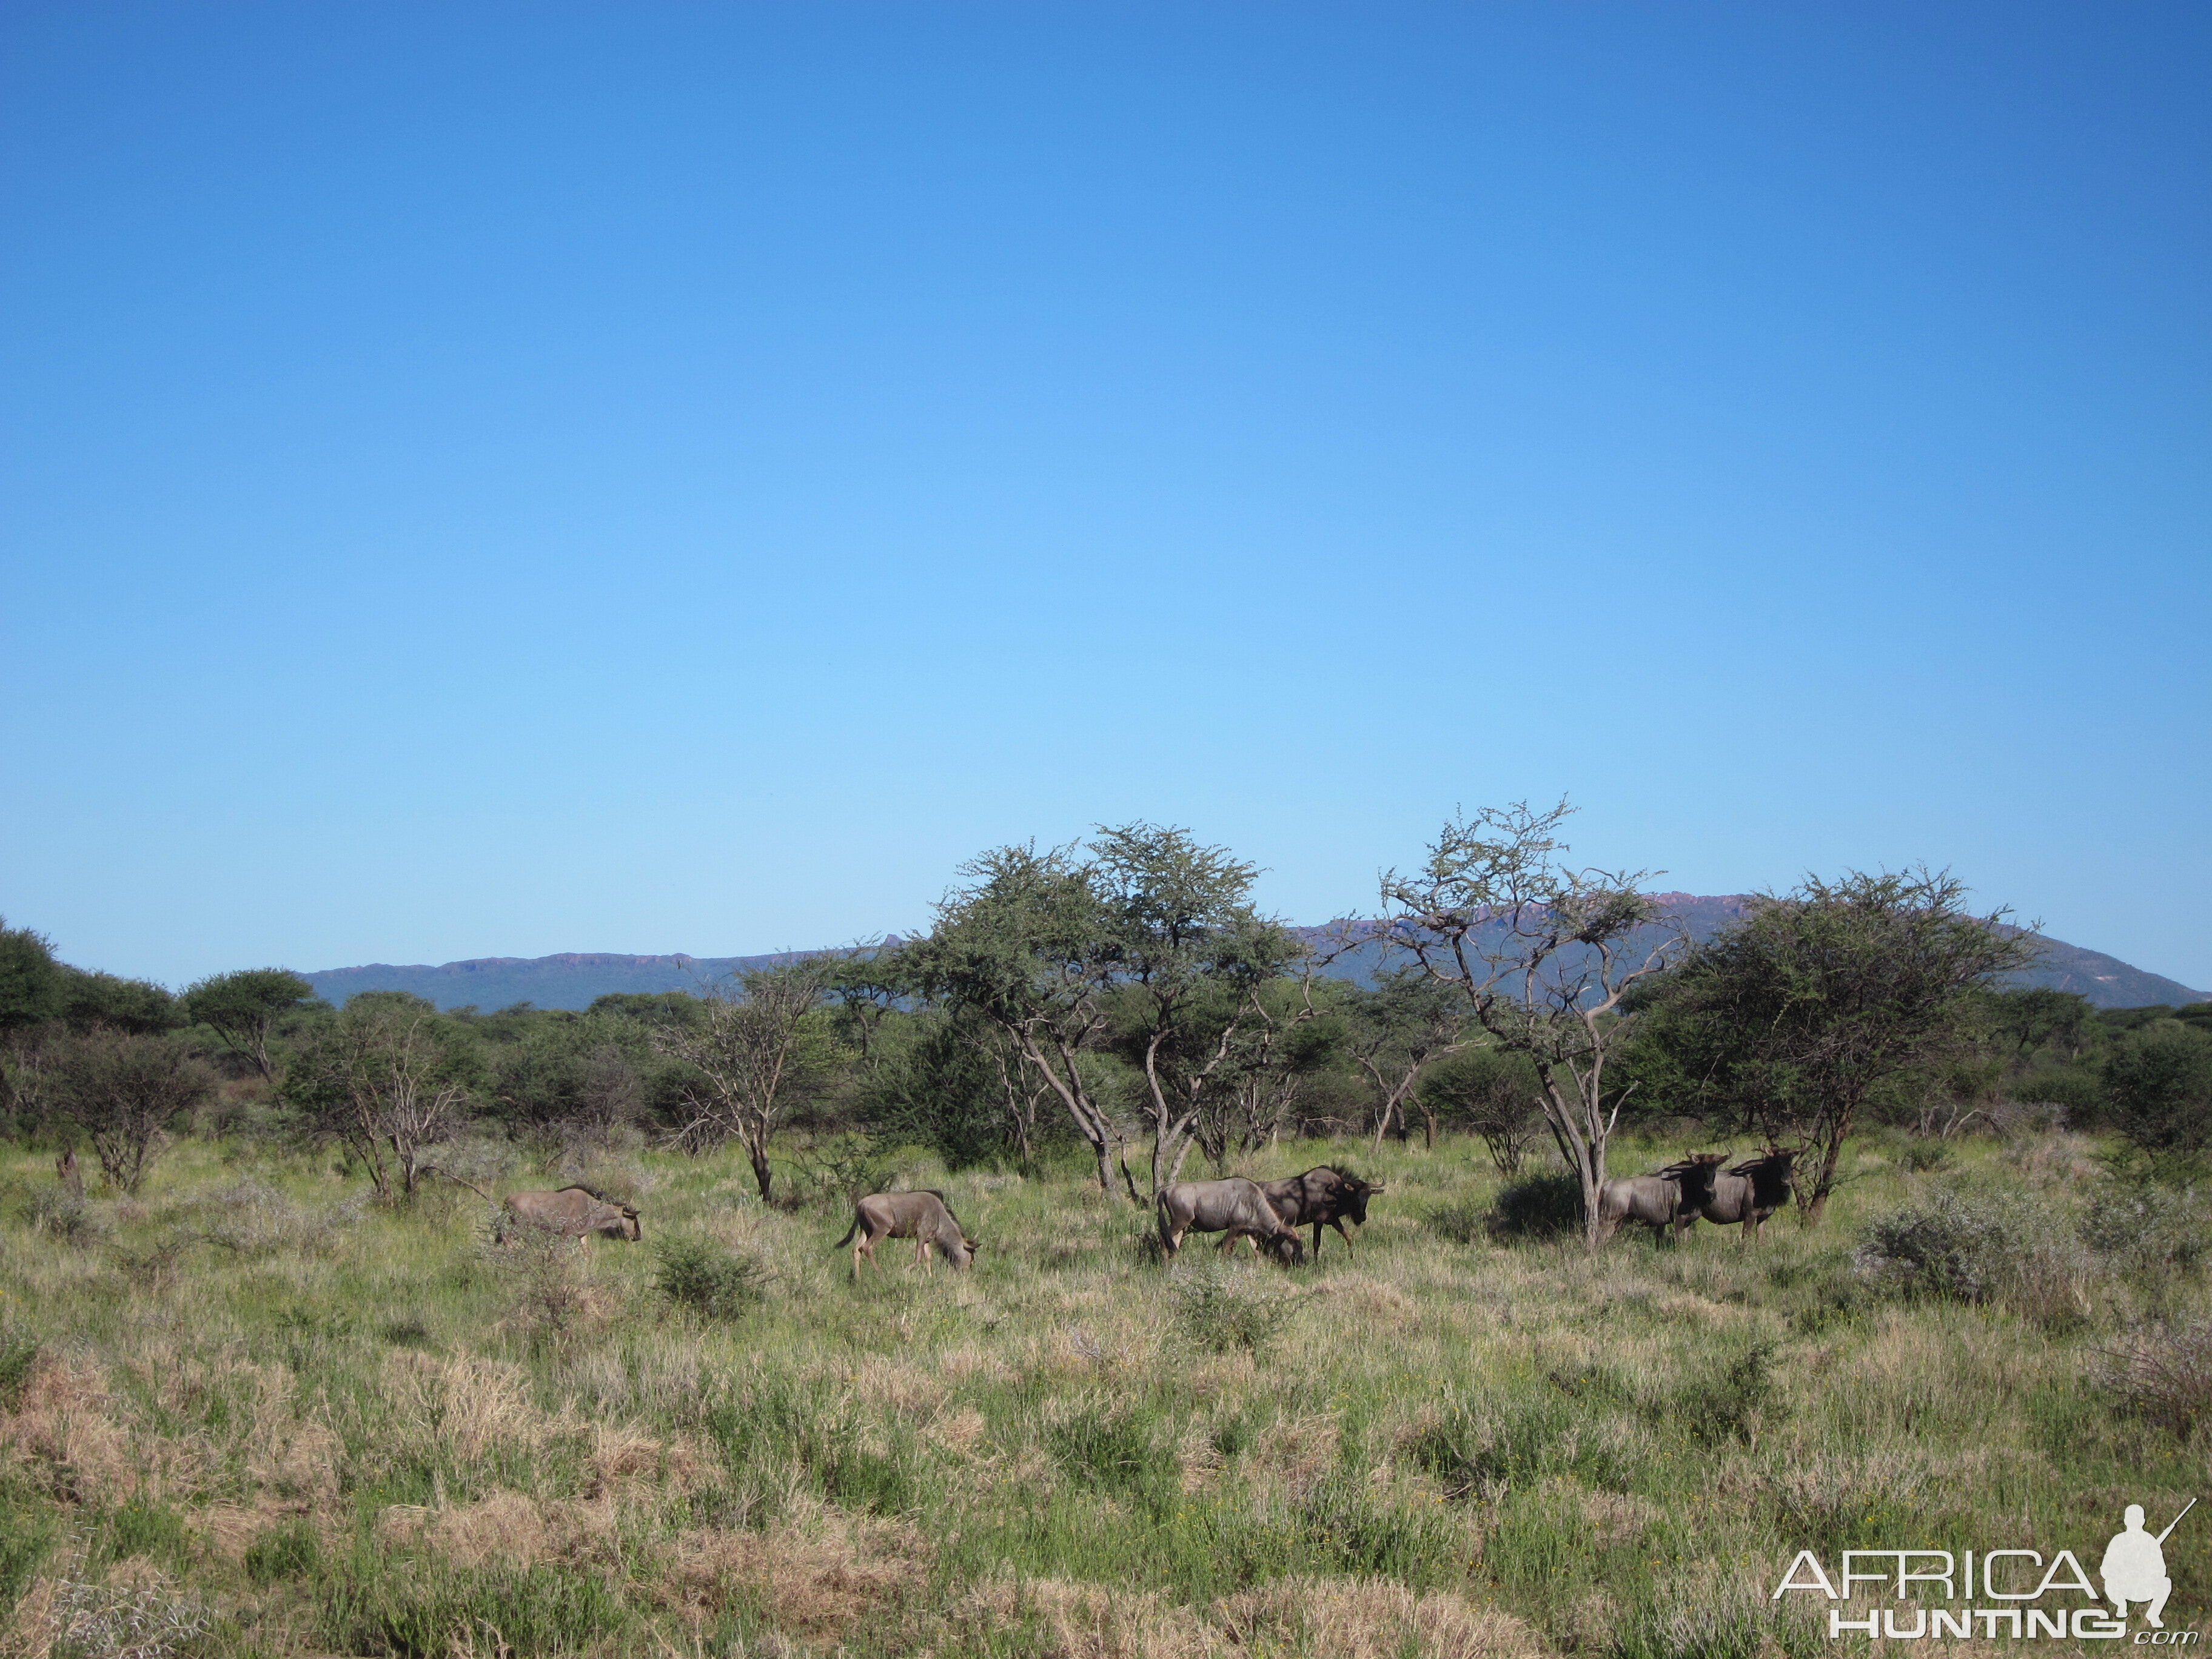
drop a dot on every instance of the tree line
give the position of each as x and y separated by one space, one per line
1125 998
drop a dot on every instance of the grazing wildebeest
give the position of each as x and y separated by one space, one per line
1754 1190
923 1215
573 1212
1661 1199
1235 1207
1322 1197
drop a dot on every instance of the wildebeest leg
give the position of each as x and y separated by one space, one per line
1339 1224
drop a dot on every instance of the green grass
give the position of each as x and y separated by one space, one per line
368 1431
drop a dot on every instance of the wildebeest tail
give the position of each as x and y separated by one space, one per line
849 1231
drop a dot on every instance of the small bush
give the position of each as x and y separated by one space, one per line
2078 1092
542 1272
1732 1403
1925 1156
62 1214
699 1274
2163 1374
1542 1207
1981 1245
1221 1309
2144 1228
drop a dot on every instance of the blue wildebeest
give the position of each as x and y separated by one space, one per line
1661 1199
1322 1197
923 1215
1747 1194
1235 1207
573 1212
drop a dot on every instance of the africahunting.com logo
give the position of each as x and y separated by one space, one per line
2133 1572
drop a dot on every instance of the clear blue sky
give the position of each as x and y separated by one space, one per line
492 479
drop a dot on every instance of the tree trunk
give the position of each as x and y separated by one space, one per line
756 1151
1811 1205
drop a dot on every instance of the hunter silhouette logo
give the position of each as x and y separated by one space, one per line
2133 1569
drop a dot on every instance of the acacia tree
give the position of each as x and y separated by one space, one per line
760 1045
389 1081
242 1008
1540 954
1408 1021
1820 1001
1023 948
1188 957
122 1090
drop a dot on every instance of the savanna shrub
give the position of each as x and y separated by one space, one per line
702 1275
1979 1244
1221 1309
2159 1081
2163 1374
2077 1091
1541 1206
2144 1228
1925 1156
1732 1403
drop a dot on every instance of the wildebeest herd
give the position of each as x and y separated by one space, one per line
1268 1212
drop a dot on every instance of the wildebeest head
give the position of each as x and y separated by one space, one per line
1338 1193
1694 1176
1769 1174
628 1227
1289 1249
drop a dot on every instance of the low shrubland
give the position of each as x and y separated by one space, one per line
243 1411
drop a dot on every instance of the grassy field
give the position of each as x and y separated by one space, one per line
246 1413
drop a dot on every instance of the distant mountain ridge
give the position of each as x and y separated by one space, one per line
575 979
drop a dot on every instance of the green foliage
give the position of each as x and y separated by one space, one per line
1116 1448
290 1549
1973 1244
2150 1231
1222 1309
697 1273
1731 1403
2158 1079
30 980
587 1074
28 1530
410 1610
1817 1005
121 1091
94 1002
19 1352
243 1009
1490 1093
1535 1207
2079 1092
